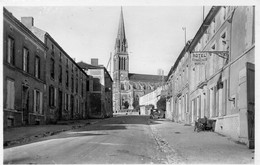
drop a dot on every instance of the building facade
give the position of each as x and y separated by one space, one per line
66 82
100 90
129 87
222 88
150 99
42 83
24 81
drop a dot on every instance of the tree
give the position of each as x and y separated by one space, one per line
161 103
136 104
126 104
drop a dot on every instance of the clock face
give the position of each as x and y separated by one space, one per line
122 75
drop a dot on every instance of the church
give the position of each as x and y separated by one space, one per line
128 87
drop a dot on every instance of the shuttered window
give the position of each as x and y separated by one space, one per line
25 59
37 101
10 94
10 50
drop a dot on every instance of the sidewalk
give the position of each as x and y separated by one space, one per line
25 134
202 147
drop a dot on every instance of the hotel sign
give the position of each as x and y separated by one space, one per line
199 58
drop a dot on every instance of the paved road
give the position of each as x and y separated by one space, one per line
123 139
131 140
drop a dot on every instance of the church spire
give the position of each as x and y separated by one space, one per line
121 42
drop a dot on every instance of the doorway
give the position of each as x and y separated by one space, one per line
25 104
60 106
72 107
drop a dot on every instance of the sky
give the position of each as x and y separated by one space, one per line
154 33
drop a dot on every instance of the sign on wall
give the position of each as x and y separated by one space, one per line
199 58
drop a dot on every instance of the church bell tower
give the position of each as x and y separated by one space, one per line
121 59
121 65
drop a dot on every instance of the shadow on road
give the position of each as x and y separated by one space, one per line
104 126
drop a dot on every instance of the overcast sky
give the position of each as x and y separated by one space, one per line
154 33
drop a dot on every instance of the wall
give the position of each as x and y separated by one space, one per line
22 38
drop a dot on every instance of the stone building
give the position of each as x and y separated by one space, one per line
100 90
66 82
128 87
222 87
24 81
150 99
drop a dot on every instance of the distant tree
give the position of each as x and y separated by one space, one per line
136 103
161 103
126 104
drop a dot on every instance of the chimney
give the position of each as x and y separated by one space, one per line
94 61
27 21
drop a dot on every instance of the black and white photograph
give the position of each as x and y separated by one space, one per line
128 82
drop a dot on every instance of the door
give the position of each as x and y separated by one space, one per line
251 104
60 105
25 103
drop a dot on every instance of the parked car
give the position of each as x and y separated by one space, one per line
157 114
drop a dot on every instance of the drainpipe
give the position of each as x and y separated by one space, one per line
229 59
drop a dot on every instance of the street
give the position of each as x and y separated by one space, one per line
130 139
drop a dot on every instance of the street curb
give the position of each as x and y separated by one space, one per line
41 135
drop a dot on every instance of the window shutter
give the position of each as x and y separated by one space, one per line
41 103
34 100
9 97
65 100
55 96
68 103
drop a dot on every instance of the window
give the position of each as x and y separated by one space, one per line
60 75
52 49
51 96
25 60
223 41
82 86
52 68
60 57
87 85
37 102
213 27
10 95
10 50
67 101
37 67
96 84
67 62
72 84
77 85
67 78
223 14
